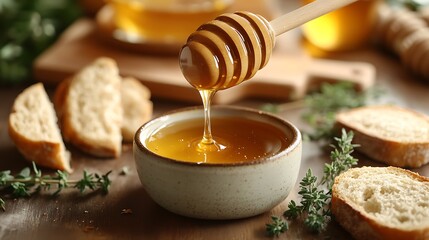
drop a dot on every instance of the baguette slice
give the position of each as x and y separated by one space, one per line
34 130
137 107
91 116
393 135
382 203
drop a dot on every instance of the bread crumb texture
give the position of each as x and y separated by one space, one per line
33 115
95 94
389 122
387 195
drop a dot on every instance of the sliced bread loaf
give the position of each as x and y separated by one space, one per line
34 130
382 203
136 105
91 116
390 134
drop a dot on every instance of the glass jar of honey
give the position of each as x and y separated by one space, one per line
345 29
165 20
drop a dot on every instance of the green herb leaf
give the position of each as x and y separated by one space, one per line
321 107
341 158
36 171
24 184
62 183
316 195
293 210
86 182
5 177
93 182
31 26
25 173
104 182
19 189
313 201
315 221
276 227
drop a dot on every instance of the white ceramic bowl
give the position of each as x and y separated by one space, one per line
218 191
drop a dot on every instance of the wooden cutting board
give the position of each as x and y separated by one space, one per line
285 77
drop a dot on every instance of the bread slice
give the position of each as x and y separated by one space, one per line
137 107
91 117
390 134
382 203
34 130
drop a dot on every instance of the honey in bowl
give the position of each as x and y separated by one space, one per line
231 190
239 140
165 20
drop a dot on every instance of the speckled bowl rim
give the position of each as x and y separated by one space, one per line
296 139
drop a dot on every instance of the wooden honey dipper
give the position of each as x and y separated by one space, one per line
232 48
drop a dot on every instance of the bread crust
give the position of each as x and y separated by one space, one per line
43 153
96 150
391 152
361 226
60 97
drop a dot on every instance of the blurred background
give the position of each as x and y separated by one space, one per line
28 28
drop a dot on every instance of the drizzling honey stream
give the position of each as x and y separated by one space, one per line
221 54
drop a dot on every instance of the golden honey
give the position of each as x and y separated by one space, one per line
165 20
240 140
344 29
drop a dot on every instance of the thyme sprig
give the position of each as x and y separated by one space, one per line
27 182
319 108
276 227
313 203
322 107
341 158
316 195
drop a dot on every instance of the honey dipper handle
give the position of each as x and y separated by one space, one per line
306 13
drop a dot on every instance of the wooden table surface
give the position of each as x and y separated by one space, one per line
127 212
